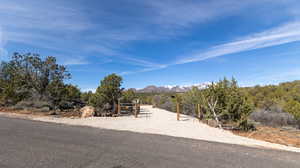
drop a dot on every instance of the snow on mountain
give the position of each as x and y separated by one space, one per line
172 88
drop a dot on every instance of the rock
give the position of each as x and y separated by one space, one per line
212 123
87 111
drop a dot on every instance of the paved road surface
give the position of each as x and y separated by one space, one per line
31 144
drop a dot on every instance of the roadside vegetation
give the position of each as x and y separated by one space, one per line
32 82
29 82
240 107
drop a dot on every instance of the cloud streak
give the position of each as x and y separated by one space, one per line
287 33
283 34
3 52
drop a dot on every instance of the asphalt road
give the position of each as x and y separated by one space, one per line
32 144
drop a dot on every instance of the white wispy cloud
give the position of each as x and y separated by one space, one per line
42 15
67 27
283 34
3 52
181 14
57 26
147 69
75 61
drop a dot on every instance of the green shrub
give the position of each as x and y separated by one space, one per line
246 126
128 96
293 107
232 104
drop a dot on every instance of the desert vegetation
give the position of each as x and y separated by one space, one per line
29 82
240 107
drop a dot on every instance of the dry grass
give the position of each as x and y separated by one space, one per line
288 137
67 114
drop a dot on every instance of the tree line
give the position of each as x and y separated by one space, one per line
27 81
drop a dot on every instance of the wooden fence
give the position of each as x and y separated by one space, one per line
129 108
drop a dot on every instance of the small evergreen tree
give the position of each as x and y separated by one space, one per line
109 91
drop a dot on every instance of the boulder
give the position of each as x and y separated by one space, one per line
87 111
212 123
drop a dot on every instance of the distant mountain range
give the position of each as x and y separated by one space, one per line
170 88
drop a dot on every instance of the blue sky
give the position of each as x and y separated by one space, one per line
160 42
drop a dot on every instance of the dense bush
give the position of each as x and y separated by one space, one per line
168 104
145 98
286 95
86 97
273 117
164 101
293 107
128 96
29 78
189 101
156 100
230 104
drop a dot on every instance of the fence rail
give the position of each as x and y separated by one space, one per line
127 108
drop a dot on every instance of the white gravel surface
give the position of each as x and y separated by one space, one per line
158 121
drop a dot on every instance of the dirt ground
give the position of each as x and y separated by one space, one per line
288 137
68 114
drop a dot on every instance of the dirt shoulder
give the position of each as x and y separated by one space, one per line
288 137
67 114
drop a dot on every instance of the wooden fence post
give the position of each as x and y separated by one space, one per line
138 106
136 110
199 112
119 108
178 111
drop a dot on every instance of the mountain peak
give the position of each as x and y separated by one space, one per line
171 88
